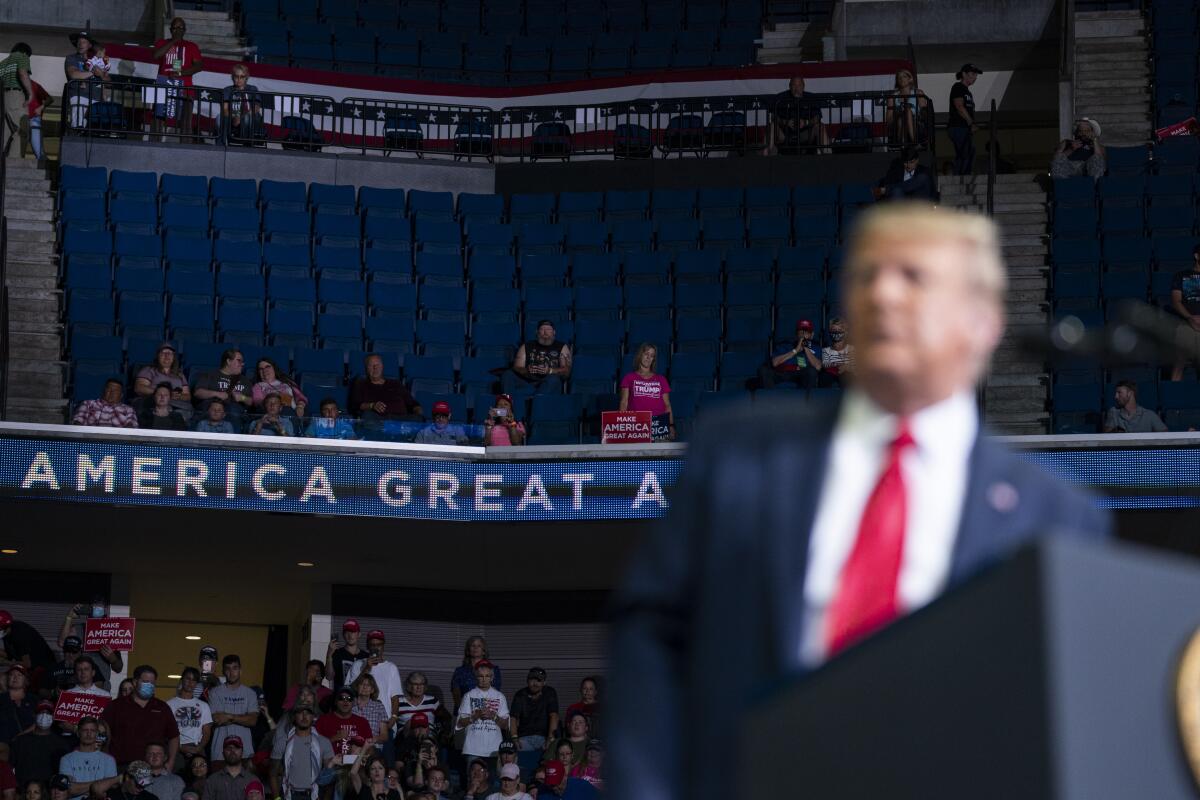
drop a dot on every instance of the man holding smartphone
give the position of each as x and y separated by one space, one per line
1082 154
340 657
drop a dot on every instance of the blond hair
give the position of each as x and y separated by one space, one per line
637 359
916 220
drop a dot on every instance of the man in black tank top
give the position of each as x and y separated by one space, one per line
543 363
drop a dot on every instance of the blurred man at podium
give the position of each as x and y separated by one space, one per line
814 527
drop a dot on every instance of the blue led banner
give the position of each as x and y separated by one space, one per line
379 485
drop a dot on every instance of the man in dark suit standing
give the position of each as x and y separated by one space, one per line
907 179
809 531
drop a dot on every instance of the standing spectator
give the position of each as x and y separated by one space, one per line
18 90
339 657
178 60
542 363
164 784
272 422
1185 299
906 179
162 415
330 424
502 428
85 678
305 697
314 679
440 431
463 679
370 782
25 646
140 718
589 703
342 726
215 421
385 673
272 381
796 124
77 68
241 109
64 671
905 112
534 712
18 706
90 769
1081 155
70 639
36 753
234 708
366 705
375 398
645 390
1127 416
35 109
193 716
837 359
799 363
483 712
230 781
298 759
225 383
960 125
108 411
165 369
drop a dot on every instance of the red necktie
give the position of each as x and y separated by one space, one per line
865 599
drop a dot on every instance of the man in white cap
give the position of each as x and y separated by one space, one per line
1081 155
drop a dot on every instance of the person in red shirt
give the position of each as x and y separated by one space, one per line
343 727
37 104
178 60
136 719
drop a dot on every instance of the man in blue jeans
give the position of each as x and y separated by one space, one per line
960 126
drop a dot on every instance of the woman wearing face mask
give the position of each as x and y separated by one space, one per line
837 359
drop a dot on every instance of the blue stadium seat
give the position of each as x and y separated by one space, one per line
434 206
694 371
1127 160
332 199
594 269
283 195
747 333
176 217
698 334
432 373
242 221
675 235
719 203
375 197
83 182
768 202
187 189
622 206
1074 192
555 419
597 303
547 302
491 271
750 265
291 290
698 300
821 230
673 204
698 266
490 238
1076 252
390 333
1124 285
177 283
1180 395
593 373
1174 220
134 216
655 331
598 336
1080 222
98 350
539 237
496 305
335 228
531 208
770 232
724 233
481 207
633 236
233 192
1127 251
444 304
133 186
580 206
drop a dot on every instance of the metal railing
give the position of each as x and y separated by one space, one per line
992 149
644 128
4 349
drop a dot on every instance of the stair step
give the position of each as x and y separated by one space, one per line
43 203
32 281
1021 284
1009 231
1102 71
21 410
1006 218
1027 267
42 348
15 166
1025 250
1109 60
36 366
1039 428
22 235
17 211
1034 295
19 184
1131 40
16 293
1011 380
1001 207
35 327
36 384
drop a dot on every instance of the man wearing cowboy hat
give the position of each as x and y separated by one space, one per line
75 65
1082 154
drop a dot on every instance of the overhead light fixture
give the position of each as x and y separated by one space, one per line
192 637
174 677
304 563
8 551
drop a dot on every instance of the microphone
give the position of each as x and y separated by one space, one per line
1136 334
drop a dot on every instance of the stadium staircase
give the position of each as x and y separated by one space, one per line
1016 390
35 391
214 31
790 43
1112 74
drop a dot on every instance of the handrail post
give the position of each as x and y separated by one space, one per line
991 185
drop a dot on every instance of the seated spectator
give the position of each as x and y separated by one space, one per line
330 425
272 422
506 756
569 749
1126 416
272 381
479 780
796 123
502 428
797 363
483 712
542 363
906 111
215 421
556 784
437 783
164 784
906 179
195 774
462 681
225 383
134 783
241 109
162 415
419 764
1185 300
511 787
837 359
1081 155
108 411
440 431
589 768
645 390
165 369
374 397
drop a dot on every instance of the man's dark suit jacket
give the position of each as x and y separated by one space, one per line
712 608
918 187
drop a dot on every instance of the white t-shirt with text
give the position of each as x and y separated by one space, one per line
483 736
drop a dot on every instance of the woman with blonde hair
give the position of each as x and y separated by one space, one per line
905 111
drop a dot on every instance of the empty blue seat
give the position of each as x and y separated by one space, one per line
136 186
283 195
531 208
374 197
580 206
1075 222
436 206
768 201
675 235
597 303
723 234
1074 192
626 205
441 269
335 226
673 204
490 237
719 203
277 221
1076 397
1176 220
1127 160
180 217
1180 395
548 302
1127 251
599 335
633 236
244 191
540 237
489 271
177 283
331 198
1080 252
496 305
586 237
698 300
186 188
594 269
444 304
134 216
1124 285
485 207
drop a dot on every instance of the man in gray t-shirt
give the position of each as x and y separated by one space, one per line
1126 416
234 708
298 758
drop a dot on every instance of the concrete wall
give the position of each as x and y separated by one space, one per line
881 22
107 15
407 173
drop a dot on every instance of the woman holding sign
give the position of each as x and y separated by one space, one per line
645 390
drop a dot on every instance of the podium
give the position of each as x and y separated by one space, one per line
1051 675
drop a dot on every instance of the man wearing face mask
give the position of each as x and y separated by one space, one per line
70 639
90 770
36 753
25 646
140 718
